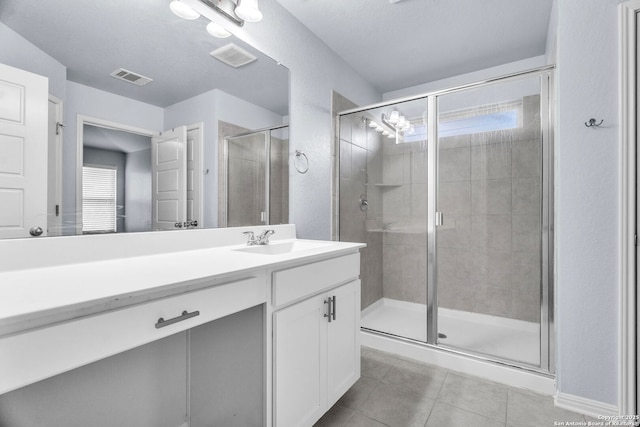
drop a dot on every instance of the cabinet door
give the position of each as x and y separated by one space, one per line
300 348
343 367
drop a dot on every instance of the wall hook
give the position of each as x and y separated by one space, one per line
592 123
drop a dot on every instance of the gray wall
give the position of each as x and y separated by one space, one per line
18 52
138 195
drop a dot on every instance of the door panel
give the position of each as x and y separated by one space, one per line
300 342
23 140
489 228
169 178
343 342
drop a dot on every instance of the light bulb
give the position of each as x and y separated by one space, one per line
217 30
248 10
401 122
183 10
394 116
386 133
372 124
379 128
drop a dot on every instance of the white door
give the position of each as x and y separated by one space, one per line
194 176
300 346
169 179
343 341
23 148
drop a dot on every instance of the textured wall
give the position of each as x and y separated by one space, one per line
587 199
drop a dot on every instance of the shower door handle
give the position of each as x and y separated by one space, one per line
439 219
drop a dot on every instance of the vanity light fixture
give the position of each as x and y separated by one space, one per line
236 11
217 30
183 10
398 124
248 10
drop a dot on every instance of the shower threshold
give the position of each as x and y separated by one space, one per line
501 337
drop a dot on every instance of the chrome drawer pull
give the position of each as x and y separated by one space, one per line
333 312
185 315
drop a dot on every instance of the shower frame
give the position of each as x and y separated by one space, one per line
547 306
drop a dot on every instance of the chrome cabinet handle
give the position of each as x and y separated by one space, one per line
328 313
331 311
178 225
161 323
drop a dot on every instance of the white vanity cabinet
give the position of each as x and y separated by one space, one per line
316 348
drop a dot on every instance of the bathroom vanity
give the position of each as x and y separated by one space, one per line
195 325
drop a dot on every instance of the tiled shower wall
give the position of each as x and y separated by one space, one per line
246 172
279 180
489 245
404 197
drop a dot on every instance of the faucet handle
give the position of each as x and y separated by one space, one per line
263 238
251 237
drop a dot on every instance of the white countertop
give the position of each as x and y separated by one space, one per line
40 296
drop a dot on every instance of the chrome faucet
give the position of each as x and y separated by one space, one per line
261 239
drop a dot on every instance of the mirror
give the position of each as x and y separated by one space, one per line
78 45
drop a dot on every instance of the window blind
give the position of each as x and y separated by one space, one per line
98 199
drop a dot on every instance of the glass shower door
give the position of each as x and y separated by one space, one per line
383 202
490 214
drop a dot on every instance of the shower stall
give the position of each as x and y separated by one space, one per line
452 192
255 178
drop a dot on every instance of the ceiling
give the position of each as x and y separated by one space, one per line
394 46
94 38
114 140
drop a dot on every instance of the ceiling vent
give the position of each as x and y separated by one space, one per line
131 77
233 55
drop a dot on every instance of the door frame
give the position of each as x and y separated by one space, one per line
93 121
56 221
628 219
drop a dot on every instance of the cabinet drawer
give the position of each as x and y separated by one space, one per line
306 280
35 355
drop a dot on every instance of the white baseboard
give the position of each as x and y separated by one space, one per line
593 408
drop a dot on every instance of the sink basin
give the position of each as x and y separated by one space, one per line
283 248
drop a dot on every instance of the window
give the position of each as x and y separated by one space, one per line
485 119
99 199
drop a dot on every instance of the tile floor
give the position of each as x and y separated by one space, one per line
398 392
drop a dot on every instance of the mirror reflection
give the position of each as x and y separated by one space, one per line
116 155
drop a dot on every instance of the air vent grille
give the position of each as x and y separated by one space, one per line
233 55
131 77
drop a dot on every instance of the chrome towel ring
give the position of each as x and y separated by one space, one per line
301 158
